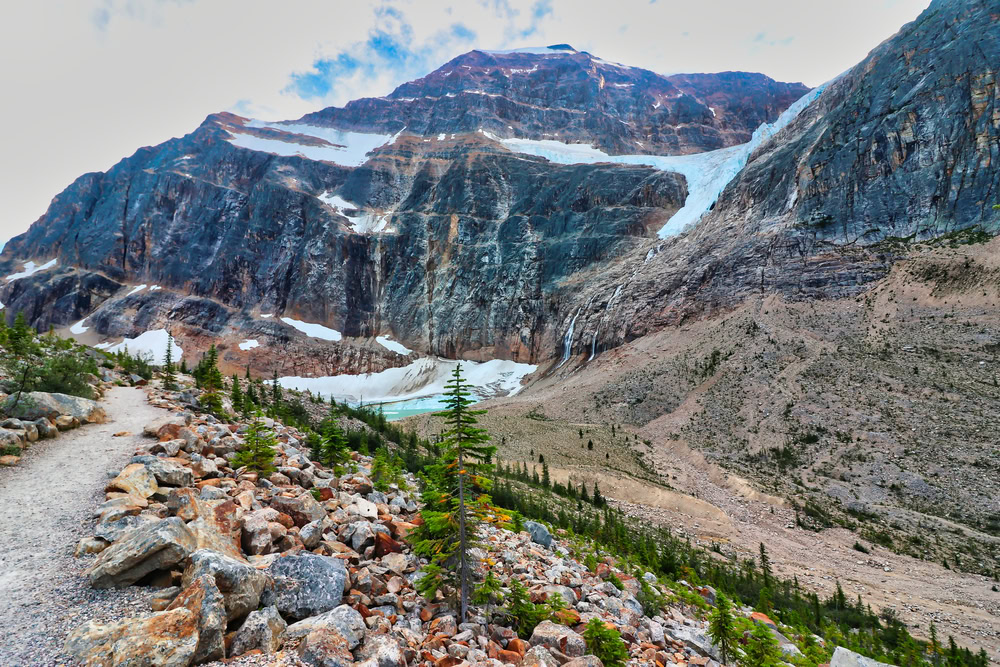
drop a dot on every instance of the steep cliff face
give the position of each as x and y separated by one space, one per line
900 148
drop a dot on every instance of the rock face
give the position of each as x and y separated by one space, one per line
42 405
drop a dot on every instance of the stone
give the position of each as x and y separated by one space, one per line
311 534
381 651
386 545
585 661
241 584
203 599
38 404
539 533
135 479
256 536
443 625
165 639
303 509
46 428
843 657
66 422
325 648
344 619
167 424
156 546
89 545
560 638
169 472
538 656
9 460
306 584
263 630
112 528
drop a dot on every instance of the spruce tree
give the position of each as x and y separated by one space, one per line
257 452
455 498
334 450
722 627
237 395
765 565
169 381
761 649
275 390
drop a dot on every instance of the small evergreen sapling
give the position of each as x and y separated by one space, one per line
722 627
606 643
257 453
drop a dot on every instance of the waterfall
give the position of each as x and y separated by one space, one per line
568 340
593 345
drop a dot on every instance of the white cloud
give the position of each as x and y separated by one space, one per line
87 82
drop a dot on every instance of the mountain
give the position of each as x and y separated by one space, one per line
405 215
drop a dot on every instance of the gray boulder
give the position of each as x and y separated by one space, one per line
344 619
241 583
205 601
170 473
37 404
539 533
157 546
306 584
263 629
843 657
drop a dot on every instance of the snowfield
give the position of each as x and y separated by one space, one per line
349 149
313 330
707 174
78 328
362 222
424 378
31 268
152 343
249 344
392 345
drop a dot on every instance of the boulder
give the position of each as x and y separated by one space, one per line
559 638
585 661
303 509
10 438
203 599
345 620
539 656
539 533
66 422
46 429
8 460
381 651
843 657
241 584
311 534
169 472
263 630
38 404
157 546
306 584
325 648
135 479
165 639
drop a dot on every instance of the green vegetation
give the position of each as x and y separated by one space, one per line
257 452
606 643
722 627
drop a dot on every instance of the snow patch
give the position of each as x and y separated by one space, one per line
136 289
154 288
532 50
31 268
392 345
149 343
349 149
425 377
78 328
249 344
313 330
707 173
266 315
362 221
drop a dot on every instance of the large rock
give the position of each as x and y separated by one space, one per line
559 638
344 619
539 533
843 657
262 630
241 583
539 656
203 599
381 651
135 479
306 584
303 509
157 546
38 404
169 472
165 639
325 648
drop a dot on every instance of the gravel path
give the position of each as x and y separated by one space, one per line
46 506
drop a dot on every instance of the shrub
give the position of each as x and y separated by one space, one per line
604 642
257 453
523 613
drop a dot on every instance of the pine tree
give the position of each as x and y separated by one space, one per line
590 445
169 381
275 390
19 361
334 450
455 497
237 395
765 565
257 452
606 643
184 367
598 498
762 648
488 592
546 479
210 379
246 376
722 627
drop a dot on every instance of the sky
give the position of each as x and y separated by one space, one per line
87 82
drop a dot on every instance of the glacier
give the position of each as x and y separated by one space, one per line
707 173
348 149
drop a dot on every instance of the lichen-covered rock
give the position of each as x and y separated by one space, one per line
165 639
559 638
303 508
324 647
539 533
38 404
167 471
346 620
306 584
241 583
262 630
156 546
135 479
203 599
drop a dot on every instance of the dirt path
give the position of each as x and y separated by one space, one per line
46 506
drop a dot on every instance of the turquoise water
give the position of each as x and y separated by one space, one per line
417 406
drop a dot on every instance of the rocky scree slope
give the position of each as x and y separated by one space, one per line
312 567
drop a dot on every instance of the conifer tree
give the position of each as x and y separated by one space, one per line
722 627
455 498
257 452
275 390
237 395
546 479
169 381
765 565
761 649
334 450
